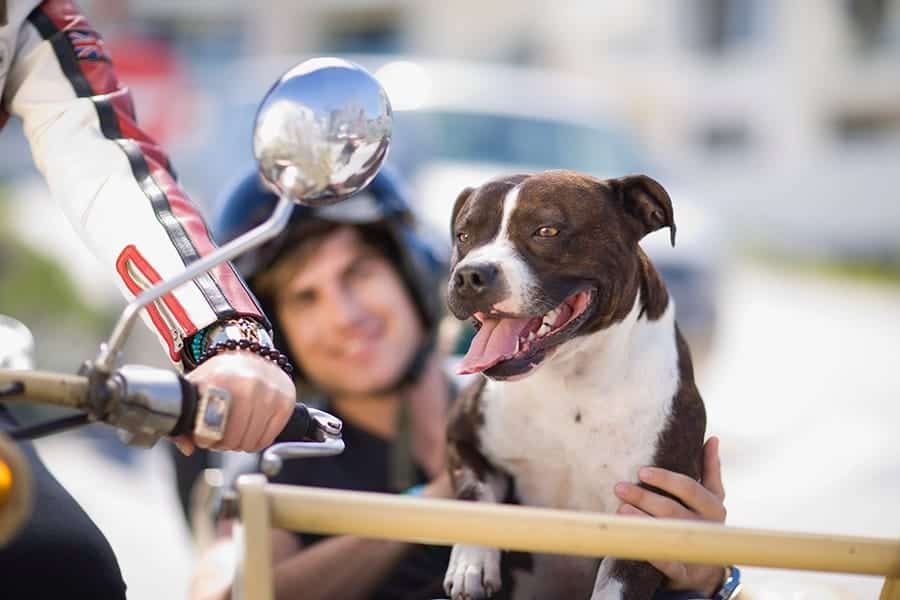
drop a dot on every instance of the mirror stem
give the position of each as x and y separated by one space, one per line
109 351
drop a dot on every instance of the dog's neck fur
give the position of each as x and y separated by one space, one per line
636 322
643 281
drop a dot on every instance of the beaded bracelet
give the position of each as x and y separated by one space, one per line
279 358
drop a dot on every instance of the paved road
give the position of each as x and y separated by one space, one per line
804 392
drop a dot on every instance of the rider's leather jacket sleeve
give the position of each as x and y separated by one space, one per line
114 183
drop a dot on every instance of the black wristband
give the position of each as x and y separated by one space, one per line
279 358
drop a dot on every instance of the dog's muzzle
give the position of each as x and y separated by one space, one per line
476 287
475 281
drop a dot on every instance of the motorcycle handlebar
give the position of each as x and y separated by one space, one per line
301 427
143 401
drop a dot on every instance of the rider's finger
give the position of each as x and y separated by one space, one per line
262 434
238 416
675 571
274 397
184 445
689 491
272 408
274 425
265 407
712 468
652 503
629 510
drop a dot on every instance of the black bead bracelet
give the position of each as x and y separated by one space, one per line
277 357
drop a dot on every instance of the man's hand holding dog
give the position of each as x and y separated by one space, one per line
702 501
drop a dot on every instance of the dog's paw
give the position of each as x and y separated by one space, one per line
473 573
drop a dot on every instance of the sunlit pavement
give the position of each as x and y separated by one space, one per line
803 389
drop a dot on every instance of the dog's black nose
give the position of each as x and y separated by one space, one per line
474 280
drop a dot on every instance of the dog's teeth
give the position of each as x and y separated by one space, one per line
531 336
551 316
545 329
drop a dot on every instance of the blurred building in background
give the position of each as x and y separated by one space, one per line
789 96
779 120
757 77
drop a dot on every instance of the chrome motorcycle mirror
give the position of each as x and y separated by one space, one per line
322 132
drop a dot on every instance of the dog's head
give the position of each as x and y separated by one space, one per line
540 259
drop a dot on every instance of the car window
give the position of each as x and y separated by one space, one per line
509 139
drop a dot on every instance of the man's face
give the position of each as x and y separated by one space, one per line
348 317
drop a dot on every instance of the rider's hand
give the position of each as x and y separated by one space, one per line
439 487
262 399
705 503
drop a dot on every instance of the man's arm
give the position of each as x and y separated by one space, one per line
340 567
344 567
114 183
119 192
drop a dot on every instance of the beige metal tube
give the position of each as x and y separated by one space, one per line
59 389
891 589
256 578
386 516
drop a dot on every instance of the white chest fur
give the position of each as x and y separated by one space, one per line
589 417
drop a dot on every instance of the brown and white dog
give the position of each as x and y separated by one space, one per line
586 376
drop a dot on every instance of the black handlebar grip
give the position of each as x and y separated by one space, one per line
301 427
190 398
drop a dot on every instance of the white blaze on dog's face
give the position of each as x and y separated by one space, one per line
501 258
540 259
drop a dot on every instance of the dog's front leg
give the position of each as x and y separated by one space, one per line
474 571
626 580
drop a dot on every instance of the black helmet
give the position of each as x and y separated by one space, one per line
383 202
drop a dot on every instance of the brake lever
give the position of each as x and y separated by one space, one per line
328 423
330 444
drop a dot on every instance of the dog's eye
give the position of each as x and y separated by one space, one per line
546 231
462 236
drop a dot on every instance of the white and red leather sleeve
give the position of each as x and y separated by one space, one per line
114 183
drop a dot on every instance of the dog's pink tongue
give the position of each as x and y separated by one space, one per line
495 341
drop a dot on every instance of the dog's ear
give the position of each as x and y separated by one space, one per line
460 200
647 202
